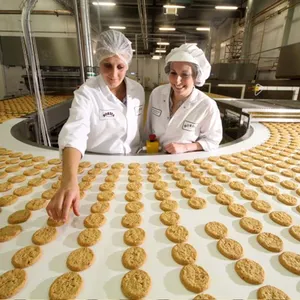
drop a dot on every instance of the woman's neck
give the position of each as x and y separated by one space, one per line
179 98
120 91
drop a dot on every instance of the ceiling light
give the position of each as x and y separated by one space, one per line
160 51
167 28
195 44
117 27
203 29
104 3
133 50
173 6
156 57
226 7
163 43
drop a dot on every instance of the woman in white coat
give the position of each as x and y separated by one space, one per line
182 117
106 117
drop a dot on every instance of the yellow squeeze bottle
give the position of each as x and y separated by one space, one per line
152 145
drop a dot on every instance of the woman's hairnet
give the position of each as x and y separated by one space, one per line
191 54
112 42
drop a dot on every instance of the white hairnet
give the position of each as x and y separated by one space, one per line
191 54
112 42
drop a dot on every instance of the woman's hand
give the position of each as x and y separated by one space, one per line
175 148
67 197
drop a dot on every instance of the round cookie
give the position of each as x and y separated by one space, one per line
258 171
94 220
8 200
133 165
134 236
9 232
106 196
224 199
3 175
133 258
162 195
261 206
134 207
154 177
12 169
44 235
287 199
133 196
249 194
213 171
26 257
237 210
170 170
31 172
101 165
169 218
100 207
242 174
223 178
48 194
188 192
84 185
230 248
54 161
256 182
11 282
295 231
168 205
281 218
23 190
134 186
151 165
157 170
85 164
206 180
94 172
107 186
216 230
251 225
178 176
160 185
236 185
270 241
204 165
194 278
215 189
204 297
185 162
131 220
270 190
184 254
290 261
190 168
6 186
169 164
231 168
53 223
38 158
89 237
250 271
42 166
17 179
36 204
197 203
49 175
197 174
269 292
19 216
66 286
112 178
89 178
115 172
177 234
80 259
288 184
136 284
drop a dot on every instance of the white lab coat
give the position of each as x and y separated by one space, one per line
196 120
99 122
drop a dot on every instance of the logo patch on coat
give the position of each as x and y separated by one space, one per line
107 114
189 126
138 110
157 112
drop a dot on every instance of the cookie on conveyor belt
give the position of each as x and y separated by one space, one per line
160 185
53 223
291 261
154 177
250 271
94 220
134 236
251 225
134 207
197 174
107 186
288 184
168 205
287 199
112 178
270 242
17 179
19 216
101 165
6 186
197 203
184 254
194 278
188 192
8 200
106 196
224 199
223 178
36 204
66 286
177 233
213 171
295 231
9 232
131 220
133 196
237 210
178 176
242 174
136 284
230 248
256 182
26 256
49 175
216 230
204 180
215 189
269 292
162 195
270 190
134 186
261 206
100 207
133 258
258 171
12 282
281 218
237 185
37 181
204 297
169 218
249 194
44 235
169 164
89 237
23 190
170 170
80 259
48 194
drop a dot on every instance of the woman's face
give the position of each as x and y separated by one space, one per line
113 71
181 78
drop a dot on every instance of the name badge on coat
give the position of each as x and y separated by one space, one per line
138 110
157 112
189 126
107 114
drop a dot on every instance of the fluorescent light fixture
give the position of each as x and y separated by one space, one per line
160 51
104 3
156 57
167 28
132 73
173 6
133 50
94 51
117 27
163 43
226 7
203 29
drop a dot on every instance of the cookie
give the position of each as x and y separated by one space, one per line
231 168
131 220
204 297
256 182
168 164
134 178
89 237
206 180
42 166
215 189
205 165
36 204
17 179
269 292
242 174
160 185
6 186
117 166
38 158
249 194
224 199
80 259
26 157
133 258
12 169
12 282
3 175
194 278
94 172
197 174
261 206
26 257
213 171
198 161
8 200
134 236
48 194
290 261
66 286
53 223
177 234
295 231
184 254
178 176
281 218
114 172
133 196
23 191
197 203
106 196
250 271
136 284
100 207
49 175
237 185
270 241
154 177
89 178
251 225
84 185
107 186
9 232
230 248
185 162
31 172
162 195
112 178
56 185
223 178
258 171
169 218
288 184
94 220
85 164
287 199
156 170
26 164
134 207
237 210
288 173
188 192
133 165
101 165
132 171
19 216
216 230
44 235
134 186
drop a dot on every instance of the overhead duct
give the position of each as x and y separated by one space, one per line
143 21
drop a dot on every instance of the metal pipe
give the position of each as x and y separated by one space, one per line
136 58
145 23
56 12
142 21
243 86
79 41
247 29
